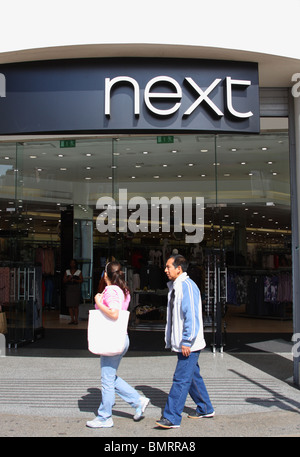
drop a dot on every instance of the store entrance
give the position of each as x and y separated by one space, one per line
51 212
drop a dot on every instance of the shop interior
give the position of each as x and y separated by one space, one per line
48 215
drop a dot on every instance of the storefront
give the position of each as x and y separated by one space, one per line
168 132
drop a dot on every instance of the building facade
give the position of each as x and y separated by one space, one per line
146 135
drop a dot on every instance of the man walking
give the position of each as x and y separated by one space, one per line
184 335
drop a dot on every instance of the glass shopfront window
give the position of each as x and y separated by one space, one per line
243 179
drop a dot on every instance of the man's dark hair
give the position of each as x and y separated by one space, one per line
180 261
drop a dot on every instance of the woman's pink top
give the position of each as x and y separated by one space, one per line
114 298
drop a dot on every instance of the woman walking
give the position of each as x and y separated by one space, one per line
115 297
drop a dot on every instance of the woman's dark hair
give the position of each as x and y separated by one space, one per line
180 261
116 276
76 263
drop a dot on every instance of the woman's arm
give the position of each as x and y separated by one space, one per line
111 313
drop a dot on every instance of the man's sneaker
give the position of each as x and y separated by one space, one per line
144 401
197 415
98 422
165 423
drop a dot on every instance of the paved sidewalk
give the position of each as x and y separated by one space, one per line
55 396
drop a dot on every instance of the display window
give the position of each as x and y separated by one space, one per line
221 200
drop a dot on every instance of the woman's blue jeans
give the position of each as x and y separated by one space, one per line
111 384
187 380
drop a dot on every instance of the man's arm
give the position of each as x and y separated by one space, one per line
190 309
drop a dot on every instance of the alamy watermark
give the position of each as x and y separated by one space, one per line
296 87
2 85
296 346
137 215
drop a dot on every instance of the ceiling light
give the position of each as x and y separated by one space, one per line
269 163
6 158
87 177
88 168
191 164
226 174
32 157
155 176
202 176
179 176
243 163
203 150
264 149
88 154
145 152
60 155
62 169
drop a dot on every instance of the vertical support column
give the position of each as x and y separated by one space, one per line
294 133
66 246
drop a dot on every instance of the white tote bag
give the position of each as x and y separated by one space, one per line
107 336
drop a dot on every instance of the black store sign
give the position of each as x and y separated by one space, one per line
130 95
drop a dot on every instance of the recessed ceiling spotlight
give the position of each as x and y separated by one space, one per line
191 164
233 149
202 176
179 176
155 176
145 152
226 174
60 155
174 151
88 154
274 173
243 163
203 150
264 149
88 168
62 169
87 178
269 163
32 157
